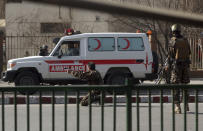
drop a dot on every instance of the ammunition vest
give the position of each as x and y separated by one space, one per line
181 49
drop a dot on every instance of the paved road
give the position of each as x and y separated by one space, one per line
59 115
154 92
96 118
5 84
193 81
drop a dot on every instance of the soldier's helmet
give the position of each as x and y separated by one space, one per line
44 47
175 28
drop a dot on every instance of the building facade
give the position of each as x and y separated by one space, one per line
31 25
30 18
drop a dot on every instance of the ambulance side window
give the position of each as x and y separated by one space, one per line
101 44
68 48
130 44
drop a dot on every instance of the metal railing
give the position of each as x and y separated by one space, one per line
196 52
128 90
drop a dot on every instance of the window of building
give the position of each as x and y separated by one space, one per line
101 44
52 27
130 44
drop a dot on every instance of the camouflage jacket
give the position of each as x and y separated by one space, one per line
93 76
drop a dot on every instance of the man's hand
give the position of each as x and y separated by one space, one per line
166 68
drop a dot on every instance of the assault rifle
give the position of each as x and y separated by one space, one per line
163 74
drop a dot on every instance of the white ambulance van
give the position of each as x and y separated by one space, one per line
116 55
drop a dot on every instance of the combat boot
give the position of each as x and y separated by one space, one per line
94 99
177 109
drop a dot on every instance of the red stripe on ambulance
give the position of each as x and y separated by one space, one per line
121 61
56 67
59 61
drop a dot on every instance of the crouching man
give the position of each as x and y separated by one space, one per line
93 77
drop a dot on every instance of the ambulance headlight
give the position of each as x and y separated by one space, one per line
11 65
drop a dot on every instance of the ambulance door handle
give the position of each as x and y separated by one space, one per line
139 60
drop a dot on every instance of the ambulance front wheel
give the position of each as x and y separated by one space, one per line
27 78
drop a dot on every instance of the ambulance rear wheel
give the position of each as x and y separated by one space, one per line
27 78
117 78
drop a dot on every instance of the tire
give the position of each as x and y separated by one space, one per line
117 78
27 78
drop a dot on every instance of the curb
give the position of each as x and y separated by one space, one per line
108 99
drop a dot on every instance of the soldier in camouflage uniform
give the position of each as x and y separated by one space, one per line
93 77
179 56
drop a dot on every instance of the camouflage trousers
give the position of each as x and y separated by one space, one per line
180 75
178 99
94 96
